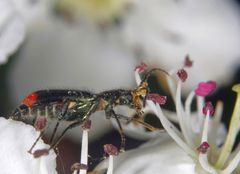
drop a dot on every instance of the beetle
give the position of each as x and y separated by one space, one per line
76 106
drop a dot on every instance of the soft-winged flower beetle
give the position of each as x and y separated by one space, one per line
76 106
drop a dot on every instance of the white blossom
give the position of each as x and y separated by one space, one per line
16 140
15 16
165 31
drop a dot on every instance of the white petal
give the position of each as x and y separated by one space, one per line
11 37
161 156
167 30
14 16
16 139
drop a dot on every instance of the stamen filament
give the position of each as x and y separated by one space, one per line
110 165
84 151
216 123
172 88
200 104
171 129
180 113
188 118
203 160
232 133
232 165
188 103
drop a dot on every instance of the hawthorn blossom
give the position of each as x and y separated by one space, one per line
15 17
203 140
202 144
165 31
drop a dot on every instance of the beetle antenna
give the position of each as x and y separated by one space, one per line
145 79
152 71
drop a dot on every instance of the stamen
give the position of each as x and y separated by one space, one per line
200 104
156 98
232 133
111 150
171 129
172 88
205 88
203 160
141 68
208 107
181 113
84 151
182 74
87 124
203 147
188 62
40 123
110 165
232 165
216 124
168 126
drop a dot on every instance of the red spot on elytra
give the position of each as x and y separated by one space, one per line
30 99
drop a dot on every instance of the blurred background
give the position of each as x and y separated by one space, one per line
95 45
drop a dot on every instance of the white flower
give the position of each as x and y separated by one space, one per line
208 150
158 156
201 139
16 139
15 15
168 30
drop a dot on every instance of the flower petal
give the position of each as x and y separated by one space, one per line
16 139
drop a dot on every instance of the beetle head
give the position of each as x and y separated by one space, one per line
138 95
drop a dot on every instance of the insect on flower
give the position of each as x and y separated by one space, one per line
76 106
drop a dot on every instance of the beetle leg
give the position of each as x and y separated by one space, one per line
144 124
54 132
63 112
63 133
34 144
74 124
110 113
